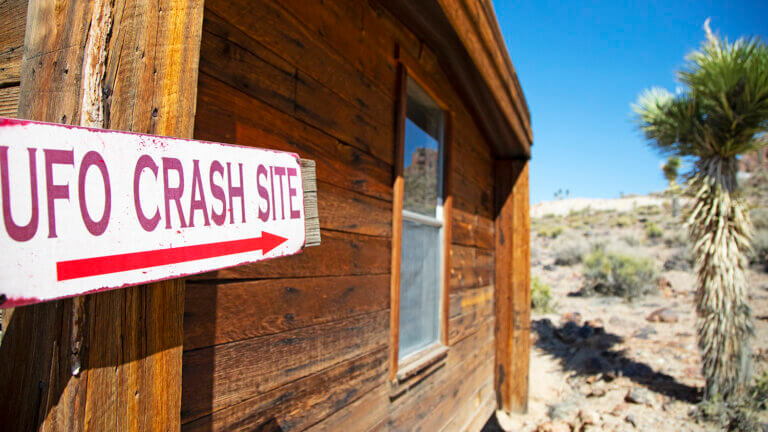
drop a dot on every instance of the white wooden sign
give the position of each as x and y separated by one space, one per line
87 210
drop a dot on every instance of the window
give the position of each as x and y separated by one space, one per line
421 254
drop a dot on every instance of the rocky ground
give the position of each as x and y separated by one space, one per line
605 363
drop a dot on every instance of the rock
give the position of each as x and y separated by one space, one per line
616 321
594 323
645 333
665 287
562 410
554 426
589 417
569 333
549 267
664 315
619 409
596 392
638 395
574 317
631 420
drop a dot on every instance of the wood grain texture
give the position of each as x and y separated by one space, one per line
465 324
217 313
470 229
330 93
340 254
447 192
9 100
368 413
472 268
242 370
312 399
398 192
475 412
513 280
343 210
311 217
231 119
463 302
328 78
13 15
109 361
468 365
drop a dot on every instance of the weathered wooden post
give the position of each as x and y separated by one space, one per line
109 361
513 281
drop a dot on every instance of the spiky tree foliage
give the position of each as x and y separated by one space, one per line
670 170
715 119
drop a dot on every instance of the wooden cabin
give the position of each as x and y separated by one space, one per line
412 314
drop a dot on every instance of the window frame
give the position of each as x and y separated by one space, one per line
424 359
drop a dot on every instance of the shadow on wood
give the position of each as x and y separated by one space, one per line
58 359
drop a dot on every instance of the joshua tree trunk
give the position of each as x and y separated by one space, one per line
720 229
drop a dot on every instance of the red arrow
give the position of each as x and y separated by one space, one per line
74 269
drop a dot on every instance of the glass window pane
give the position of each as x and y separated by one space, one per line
422 159
419 287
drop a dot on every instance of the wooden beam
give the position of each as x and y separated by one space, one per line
398 191
109 361
513 281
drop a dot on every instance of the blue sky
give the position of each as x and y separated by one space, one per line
582 64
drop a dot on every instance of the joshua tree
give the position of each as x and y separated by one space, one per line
671 169
715 119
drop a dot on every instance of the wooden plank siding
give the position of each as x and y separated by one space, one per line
302 342
13 15
513 283
112 360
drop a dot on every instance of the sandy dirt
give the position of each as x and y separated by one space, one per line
600 363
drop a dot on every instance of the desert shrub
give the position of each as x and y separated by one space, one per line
682 259
676 239
621 274
630 240
648 210
759 253
759 216
570 249
541 296
577 223
741 415
759 391
624 221
653 231
550 231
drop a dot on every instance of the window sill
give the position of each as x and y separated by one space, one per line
416 367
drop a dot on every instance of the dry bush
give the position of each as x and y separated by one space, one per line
613 272
570 249
550 231
676 239
624 221
653 231
541 296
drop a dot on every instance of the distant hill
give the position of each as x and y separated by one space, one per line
421 181
565 206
